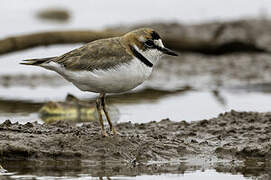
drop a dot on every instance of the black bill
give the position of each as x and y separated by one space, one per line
167 51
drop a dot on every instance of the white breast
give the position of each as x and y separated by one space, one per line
118 79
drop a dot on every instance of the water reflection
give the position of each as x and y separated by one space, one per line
78 169
176 105
146 105
73 110
19 106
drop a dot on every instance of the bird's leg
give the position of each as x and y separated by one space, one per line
99 111
107 115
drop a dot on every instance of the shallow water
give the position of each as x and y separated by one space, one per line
82 170
208 174
138 106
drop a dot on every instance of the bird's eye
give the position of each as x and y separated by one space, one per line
149 43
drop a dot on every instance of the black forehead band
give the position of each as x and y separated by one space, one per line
155 35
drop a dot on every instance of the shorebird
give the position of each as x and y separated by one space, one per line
112 65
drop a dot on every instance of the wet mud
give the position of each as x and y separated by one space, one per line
198 71
236 142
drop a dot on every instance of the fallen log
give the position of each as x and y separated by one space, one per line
21 42
212 38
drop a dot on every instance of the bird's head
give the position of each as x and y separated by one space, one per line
148 43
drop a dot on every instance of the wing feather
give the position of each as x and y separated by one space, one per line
100 54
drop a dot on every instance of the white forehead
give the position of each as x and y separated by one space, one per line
159 43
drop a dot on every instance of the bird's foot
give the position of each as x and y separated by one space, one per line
114 132
104 133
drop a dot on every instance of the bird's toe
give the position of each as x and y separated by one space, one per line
104 134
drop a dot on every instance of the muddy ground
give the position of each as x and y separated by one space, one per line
236 142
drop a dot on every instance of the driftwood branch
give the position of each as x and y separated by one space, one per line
16 43
213 38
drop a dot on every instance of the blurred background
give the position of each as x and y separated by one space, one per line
209 77
29 87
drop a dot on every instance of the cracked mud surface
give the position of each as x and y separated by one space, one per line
238 140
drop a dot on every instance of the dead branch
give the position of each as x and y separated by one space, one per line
21 42
213 38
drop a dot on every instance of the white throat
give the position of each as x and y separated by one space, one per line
153 55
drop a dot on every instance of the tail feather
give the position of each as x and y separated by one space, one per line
36 62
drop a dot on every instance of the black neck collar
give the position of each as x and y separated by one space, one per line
139 56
